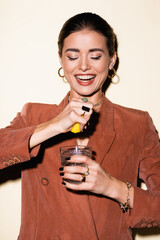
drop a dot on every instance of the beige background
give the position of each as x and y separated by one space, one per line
29 64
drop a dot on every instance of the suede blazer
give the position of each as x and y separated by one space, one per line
126 145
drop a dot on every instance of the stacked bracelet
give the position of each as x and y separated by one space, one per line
126 205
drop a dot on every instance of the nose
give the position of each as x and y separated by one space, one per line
84 64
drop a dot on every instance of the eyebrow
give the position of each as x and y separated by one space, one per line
72 50
90 50
96 50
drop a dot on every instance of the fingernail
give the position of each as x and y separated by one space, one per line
61 168
63 183
84 108
62 173
85 99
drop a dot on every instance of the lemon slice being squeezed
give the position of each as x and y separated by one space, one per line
76 126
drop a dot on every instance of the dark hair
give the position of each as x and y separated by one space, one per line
89 21
93 22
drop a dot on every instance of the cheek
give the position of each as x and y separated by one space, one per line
102 68
68 67
66 64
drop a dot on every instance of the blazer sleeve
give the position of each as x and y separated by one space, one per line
146 210
14 139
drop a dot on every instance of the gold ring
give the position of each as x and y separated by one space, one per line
83 114
83 178
86 173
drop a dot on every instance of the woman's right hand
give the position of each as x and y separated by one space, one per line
73 114
63 122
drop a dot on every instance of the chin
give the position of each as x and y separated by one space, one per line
87 93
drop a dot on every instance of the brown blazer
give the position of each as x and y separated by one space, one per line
126 145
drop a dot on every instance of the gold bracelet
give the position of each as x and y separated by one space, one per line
126 205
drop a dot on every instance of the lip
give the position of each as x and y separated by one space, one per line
85 79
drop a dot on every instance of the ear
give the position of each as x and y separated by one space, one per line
113 61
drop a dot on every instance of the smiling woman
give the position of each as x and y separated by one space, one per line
100 44
124 141
86 66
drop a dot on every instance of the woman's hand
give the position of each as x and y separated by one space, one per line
73 114
98 181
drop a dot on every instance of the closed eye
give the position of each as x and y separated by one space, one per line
72 58
96 58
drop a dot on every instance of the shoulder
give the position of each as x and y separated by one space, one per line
38 106
134 120
36 113
130 117
39 112
128 112
123 111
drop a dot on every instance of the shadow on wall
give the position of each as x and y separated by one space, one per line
10 173
143 232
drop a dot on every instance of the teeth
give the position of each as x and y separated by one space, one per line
85 77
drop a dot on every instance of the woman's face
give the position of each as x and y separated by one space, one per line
85 61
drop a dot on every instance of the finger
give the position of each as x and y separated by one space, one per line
86 109
83 186
79 103
82 159
87 104
75 169
91 166
74 177
82 112
76 118
77 110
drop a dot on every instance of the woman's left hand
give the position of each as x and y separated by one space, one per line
97 181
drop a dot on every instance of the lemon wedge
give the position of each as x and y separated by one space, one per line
76 126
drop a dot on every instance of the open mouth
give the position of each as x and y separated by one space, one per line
86 77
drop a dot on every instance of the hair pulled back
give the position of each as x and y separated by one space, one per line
94 22
90 21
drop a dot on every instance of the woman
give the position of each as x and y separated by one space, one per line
107 203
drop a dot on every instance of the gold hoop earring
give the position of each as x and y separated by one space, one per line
62 76
113 75
59 72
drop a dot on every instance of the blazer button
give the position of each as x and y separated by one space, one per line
44 181
17 160
6 163
154 224
143 225
11 162
149 225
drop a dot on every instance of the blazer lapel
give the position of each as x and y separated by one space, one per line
104 135
101 142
